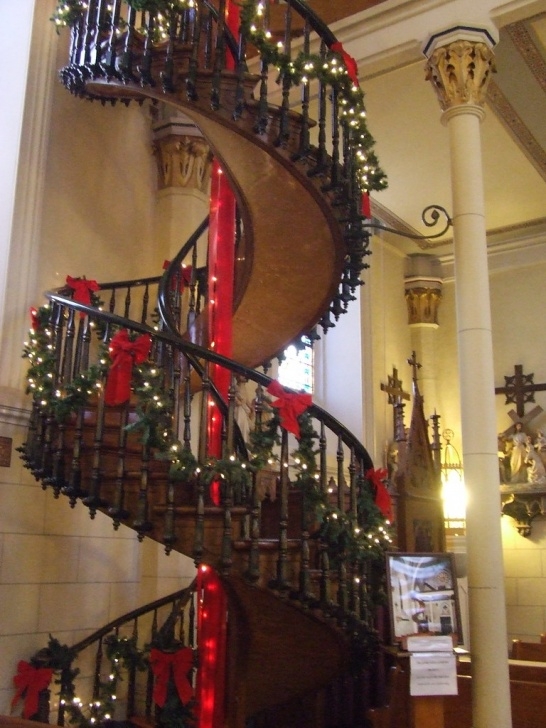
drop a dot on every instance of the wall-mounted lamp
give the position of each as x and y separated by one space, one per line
453 490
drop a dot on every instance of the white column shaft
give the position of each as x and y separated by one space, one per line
491 694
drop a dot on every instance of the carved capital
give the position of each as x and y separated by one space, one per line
423 303
183 161
460 72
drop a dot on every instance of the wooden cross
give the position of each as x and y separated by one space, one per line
394 388
520 389
523 420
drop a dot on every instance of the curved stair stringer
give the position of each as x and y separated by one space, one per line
278 652
292 233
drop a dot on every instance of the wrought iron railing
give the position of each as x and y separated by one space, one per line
184 52
148 462
108 675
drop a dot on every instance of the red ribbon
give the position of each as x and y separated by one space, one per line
366 207
180 663
30 681
185 276
82 290
382 498
124 353
349 61
290 405
34 320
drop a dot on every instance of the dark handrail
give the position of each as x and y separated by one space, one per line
184 595
172 269
189 348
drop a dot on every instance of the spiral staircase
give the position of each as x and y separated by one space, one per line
301 600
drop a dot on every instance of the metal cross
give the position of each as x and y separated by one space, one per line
414 364
520 389
394 388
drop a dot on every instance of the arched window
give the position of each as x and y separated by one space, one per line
297 368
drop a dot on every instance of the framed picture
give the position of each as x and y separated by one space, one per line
423 597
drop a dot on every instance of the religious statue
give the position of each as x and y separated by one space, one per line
522 457
244 408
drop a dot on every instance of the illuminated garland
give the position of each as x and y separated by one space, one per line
123 655
334 69
361 541
60 399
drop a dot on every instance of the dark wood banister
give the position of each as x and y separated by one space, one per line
184 595
198 352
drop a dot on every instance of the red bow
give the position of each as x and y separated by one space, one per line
181 663
30 681
349 61
185 276
124 353
82 290
382 498
34 320
290 405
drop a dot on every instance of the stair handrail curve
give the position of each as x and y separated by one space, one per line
321 561
62 658
198 352
341 168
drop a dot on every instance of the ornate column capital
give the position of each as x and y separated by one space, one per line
459 64
423 290
184 158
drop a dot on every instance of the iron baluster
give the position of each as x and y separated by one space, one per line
219 62
253 572
117 510
281 582
127 309
335 163
68 348
145 69
142 524
145 302
109 65
93 499
125 63
305 96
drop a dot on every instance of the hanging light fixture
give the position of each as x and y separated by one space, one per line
453 490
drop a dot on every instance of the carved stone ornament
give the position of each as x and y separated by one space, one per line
183 161
423 305
460 72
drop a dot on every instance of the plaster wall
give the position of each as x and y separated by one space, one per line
517 298
60 572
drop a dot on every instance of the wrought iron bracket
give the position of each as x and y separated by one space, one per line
430 216
523 506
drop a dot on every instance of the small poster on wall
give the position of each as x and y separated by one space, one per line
422 596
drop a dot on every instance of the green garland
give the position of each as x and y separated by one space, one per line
330 69
123 655
61 400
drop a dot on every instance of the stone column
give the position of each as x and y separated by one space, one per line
184 164
460 61
423 290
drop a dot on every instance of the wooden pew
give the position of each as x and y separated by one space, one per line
527 690
528 701
535 651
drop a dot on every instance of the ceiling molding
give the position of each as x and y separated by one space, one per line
526 45
517 129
